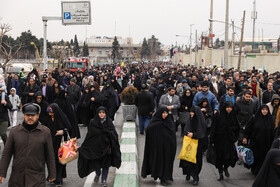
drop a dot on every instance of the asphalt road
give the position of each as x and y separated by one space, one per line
239 176
73 180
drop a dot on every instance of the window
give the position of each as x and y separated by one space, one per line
100 50
135 50
76 65
107 50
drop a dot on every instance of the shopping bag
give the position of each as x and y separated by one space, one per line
67 151
211 155
245 154
189 150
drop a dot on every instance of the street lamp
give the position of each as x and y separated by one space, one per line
32 43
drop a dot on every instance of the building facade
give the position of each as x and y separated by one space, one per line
100 49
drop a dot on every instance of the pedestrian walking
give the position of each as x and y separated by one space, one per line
15 101
144 101
5 105
30 145
59 126
100 149
196 129
160 147
260 133
224 133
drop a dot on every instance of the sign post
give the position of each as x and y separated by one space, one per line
76 12
72 13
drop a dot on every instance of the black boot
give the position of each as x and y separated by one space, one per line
226 172
188 177
163 183
195 183
221 177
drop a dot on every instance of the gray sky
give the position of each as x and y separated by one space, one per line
163 18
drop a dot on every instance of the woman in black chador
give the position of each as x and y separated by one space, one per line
109 99
66 107
224 134
160 147
196 129
94 100
58 123
261 135
186 105
83 111
100 149
269 175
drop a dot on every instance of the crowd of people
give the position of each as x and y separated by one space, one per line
218 107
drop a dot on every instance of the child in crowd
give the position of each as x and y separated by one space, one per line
15 101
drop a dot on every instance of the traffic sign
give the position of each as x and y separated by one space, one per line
76 12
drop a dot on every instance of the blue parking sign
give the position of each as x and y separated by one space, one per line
67 15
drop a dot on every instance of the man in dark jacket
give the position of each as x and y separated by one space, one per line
267 94
30 145
245 110
229 96
144 101
46 91
73 93
223 88
30 91
4 117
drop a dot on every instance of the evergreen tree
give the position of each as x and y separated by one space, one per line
154 47
145 51
76 46
85 50
116 50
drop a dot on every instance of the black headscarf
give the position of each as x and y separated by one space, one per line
60 118
100 148
264 121
167 122
199 121
269 173
187 100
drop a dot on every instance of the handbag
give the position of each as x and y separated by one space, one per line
67 151
211 154
189 150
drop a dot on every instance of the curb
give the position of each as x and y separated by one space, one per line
127 174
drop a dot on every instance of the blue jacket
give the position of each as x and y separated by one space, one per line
210 97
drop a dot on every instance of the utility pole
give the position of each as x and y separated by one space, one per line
196 48
233 38
241 41
191 36
254 17
226 36
211 25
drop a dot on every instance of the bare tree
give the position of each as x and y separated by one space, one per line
8 50
59 53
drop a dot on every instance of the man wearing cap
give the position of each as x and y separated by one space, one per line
73 93
208 95
30 145
144 101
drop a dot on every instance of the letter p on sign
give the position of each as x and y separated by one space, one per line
67 15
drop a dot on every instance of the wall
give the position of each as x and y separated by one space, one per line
270 62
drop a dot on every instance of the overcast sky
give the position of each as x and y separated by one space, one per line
162 18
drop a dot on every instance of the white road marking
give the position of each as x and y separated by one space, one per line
128 168
128 135
129 125
90 179
128 148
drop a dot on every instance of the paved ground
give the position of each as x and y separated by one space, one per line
73 180
239 176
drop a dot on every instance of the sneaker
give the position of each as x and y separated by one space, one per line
96 179
104 184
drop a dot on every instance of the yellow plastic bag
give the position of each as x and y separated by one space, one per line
189 150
